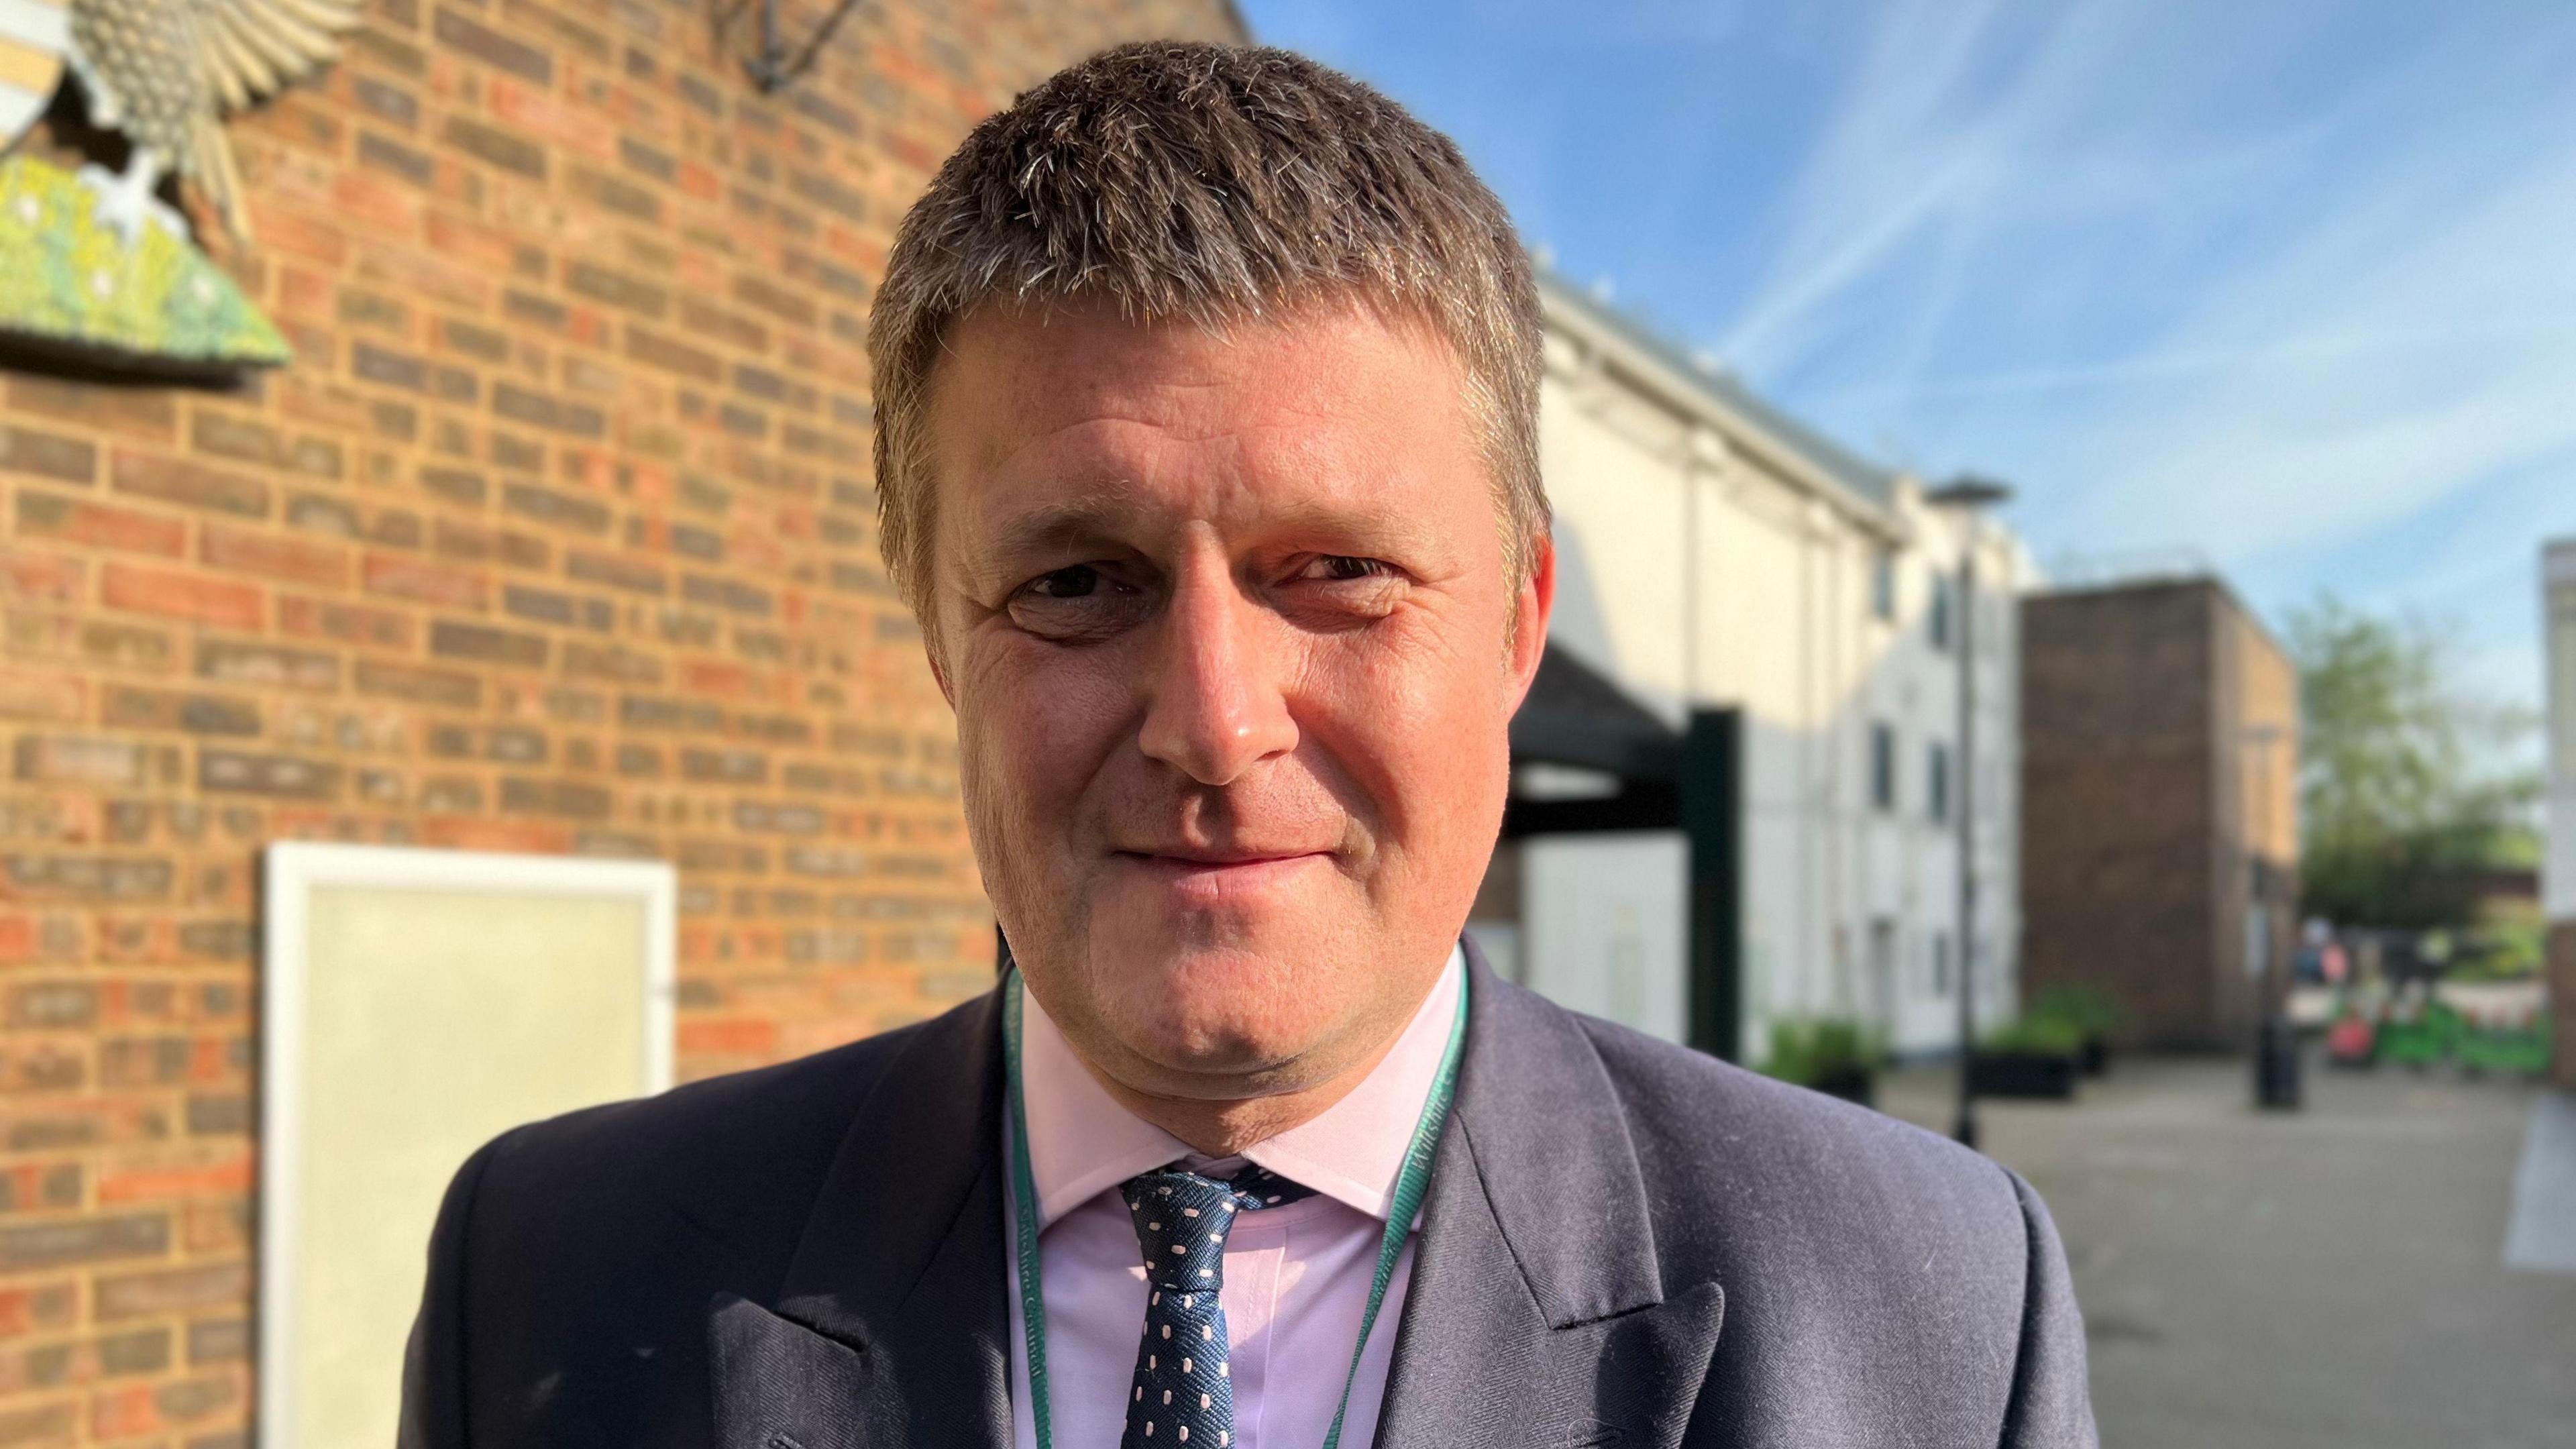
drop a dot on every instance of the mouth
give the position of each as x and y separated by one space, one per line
1221 868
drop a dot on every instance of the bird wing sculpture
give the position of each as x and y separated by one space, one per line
164 71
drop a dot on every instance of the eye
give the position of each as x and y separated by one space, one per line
1076 604
1338 567
1337 590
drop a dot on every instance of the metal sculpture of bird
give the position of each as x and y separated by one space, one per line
163 72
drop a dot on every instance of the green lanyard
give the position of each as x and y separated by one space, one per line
1410 1185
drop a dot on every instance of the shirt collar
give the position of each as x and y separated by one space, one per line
1083 1143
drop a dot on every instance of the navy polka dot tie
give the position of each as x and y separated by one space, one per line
1184 1389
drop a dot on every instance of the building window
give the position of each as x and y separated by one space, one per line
1882 767
1941 612
1882 583
1936 783
1940 963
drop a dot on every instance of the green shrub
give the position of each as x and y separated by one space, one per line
2088 1009
1808 1050
2037 1036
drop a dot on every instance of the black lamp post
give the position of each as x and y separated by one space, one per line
1968 497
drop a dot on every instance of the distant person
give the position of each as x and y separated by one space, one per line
1207 387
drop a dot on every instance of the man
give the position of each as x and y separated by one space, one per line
1207 385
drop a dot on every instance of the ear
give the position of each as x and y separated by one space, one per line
1530 612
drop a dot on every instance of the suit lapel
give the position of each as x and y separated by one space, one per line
1537 1313
891 1325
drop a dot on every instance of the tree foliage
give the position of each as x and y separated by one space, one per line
2410 791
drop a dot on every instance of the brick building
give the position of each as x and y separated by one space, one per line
557 536
2159 806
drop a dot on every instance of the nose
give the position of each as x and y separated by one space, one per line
1215 705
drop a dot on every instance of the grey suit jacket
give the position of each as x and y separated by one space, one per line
1625 1243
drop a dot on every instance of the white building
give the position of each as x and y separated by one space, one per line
1712 552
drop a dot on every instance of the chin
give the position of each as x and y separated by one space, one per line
1252 1003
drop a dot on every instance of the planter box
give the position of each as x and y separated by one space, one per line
2095 1058
2023 1074
1854 1085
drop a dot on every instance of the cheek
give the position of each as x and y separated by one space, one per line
1417 732
1034 723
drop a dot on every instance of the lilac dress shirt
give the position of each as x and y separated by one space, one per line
1296 1276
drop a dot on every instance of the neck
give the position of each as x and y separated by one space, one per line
1223 1127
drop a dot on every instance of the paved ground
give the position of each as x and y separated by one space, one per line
2333 1279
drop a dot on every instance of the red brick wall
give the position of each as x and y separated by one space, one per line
556 537
2159 755
2120 830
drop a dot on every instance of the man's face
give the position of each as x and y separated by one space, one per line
1232 646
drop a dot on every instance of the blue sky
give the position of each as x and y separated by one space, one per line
2291 285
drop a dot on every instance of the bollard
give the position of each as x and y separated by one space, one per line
2276 1064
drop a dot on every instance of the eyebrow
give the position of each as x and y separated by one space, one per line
1056 525
1107 518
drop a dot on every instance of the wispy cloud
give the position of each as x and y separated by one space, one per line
2289 283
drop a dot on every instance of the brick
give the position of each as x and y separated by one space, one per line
370 363
171 1290
282 776
81 760
142 1351
40 1426
650 161
568 798
296 560
423 686
425 582
456 485
270 665
783 303
47 455
388 155
672 355
499 147
537 409
83 878
229 1177
132 411
45 698
390 102
615 193
556 510
219 1115
457 640
182 596
483 344
611 662
320 513
97 1239
616 572
37 1307
132 707
305 618
99 525
192 485
461 32
41 577
229 435
614 288
219 1340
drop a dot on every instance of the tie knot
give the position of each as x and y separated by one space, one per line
1181 1220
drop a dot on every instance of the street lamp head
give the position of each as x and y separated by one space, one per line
1969 491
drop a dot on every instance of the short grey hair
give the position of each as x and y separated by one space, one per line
1213 183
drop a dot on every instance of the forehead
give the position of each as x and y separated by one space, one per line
1326 399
